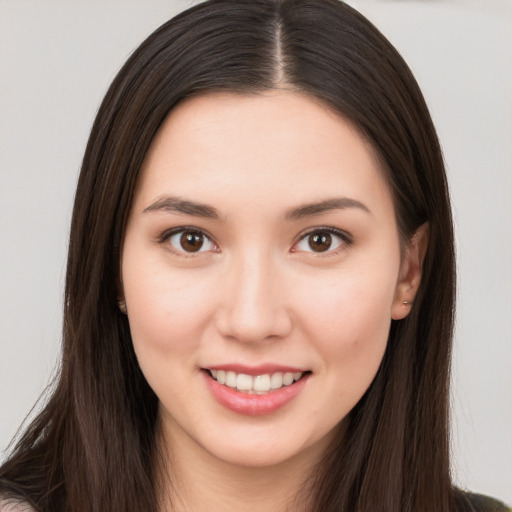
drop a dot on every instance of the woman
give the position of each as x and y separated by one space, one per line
260 285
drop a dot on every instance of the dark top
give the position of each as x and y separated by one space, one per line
482 503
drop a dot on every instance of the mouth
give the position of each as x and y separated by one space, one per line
255 384
255 391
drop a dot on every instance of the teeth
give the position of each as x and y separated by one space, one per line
231 379
276 381
287 379
259 384
244 382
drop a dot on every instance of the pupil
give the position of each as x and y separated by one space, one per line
191 242
320 242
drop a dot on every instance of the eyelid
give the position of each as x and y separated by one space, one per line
343 235
167 234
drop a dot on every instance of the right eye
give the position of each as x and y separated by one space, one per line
189 241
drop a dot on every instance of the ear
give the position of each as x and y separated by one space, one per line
121 302
411 270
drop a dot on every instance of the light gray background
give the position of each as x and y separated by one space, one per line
56 61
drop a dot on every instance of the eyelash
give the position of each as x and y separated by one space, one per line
167 235
345 238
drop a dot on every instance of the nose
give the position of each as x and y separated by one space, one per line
253 302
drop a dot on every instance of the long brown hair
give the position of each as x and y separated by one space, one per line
92 448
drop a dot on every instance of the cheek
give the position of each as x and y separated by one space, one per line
350 330
351 302
166 309
167 317
349 319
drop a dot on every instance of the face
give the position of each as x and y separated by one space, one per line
261 268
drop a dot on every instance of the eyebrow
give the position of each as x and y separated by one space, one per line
183 206
336 203
178 205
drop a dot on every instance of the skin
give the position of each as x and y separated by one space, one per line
257 292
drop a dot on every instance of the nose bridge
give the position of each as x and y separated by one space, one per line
254 306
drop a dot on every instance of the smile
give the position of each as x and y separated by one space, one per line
257 384
255 391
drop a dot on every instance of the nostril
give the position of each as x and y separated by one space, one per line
253 322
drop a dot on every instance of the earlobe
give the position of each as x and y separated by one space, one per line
121 302
122 306
411 270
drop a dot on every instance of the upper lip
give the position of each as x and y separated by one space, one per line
262 369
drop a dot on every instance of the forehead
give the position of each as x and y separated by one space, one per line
278 143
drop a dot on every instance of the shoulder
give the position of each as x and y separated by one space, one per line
483 503
8 505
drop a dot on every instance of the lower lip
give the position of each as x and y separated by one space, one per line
254 405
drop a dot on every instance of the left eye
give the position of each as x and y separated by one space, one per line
321 241
190 241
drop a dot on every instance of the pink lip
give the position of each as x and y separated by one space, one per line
261 369
253 405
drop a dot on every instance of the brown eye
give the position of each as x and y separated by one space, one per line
320 242
190 241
